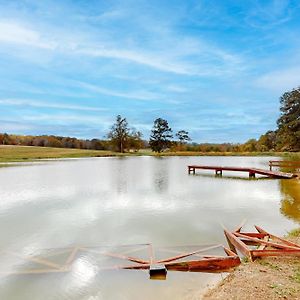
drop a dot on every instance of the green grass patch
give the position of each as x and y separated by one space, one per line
30 153
294 233
296 276
269 265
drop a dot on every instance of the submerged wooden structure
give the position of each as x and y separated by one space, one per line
260 244
252 171
130 257
284 164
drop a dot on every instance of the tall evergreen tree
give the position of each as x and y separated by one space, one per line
160 135
288 135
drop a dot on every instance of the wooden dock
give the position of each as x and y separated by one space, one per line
252 171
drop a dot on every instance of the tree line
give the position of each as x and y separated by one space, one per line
122 138
287 135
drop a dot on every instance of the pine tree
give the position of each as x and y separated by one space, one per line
160 135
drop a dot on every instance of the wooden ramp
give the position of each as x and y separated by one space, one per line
252 171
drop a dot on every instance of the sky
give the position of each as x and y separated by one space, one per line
215 68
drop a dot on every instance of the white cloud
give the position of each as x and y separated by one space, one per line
280 80
141 95
39 104
168 56
12 32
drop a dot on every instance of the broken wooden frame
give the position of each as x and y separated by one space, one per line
156 262
260 244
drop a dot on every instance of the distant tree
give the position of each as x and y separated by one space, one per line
267 141
249 146
183 136
160 135
288 135
135 141
6 139
119 133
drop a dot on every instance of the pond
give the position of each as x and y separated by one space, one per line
99 202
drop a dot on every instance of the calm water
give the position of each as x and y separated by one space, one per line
120 201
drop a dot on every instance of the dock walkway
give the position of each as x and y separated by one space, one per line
252 171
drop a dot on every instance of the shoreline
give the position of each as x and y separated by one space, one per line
11 153
265 278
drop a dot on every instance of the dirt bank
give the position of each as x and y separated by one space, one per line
267 278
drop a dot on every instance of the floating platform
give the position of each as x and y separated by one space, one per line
252 171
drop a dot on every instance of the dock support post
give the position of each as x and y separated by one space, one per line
218 172
251 174
191 169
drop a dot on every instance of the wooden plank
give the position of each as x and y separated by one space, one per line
71 257
239 228
209 265
274 237
266 243
187 254
34 271
262 246
35 260
275 252
115 255
238 244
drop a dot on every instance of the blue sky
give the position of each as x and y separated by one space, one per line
214 68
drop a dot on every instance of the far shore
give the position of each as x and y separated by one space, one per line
11 153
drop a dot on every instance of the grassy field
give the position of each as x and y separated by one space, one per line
23 153
28 153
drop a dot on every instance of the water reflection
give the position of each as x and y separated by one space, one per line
114 201
290 204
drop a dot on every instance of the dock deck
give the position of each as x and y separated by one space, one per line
252 171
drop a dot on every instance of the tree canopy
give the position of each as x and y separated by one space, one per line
183 136
119 133
288 135
160 135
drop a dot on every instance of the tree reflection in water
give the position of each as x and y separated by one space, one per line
290 204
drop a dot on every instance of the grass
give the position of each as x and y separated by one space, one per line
294 233
296 276
270 265
30 153
23 153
